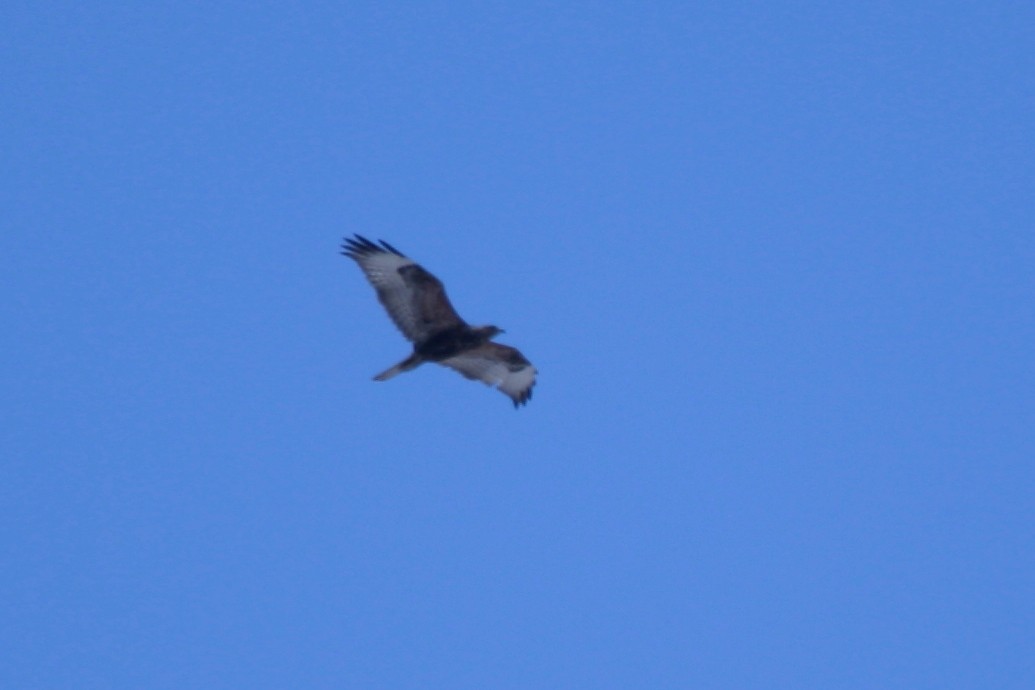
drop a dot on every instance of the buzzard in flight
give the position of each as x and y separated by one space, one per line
417 303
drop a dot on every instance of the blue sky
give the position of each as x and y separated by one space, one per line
774 262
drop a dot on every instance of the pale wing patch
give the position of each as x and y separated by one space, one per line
499 366
518 384
381 268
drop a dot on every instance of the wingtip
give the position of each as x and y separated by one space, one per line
522 398
358 246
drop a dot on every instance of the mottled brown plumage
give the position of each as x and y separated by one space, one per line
417 303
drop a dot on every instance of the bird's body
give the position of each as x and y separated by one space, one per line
416 302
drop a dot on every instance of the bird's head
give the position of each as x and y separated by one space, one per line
489 332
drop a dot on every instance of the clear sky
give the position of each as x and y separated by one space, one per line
775 262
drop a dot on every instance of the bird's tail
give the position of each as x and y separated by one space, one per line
411 362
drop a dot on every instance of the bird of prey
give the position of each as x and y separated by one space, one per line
416 301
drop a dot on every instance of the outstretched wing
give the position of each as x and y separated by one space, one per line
414 299
497 365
